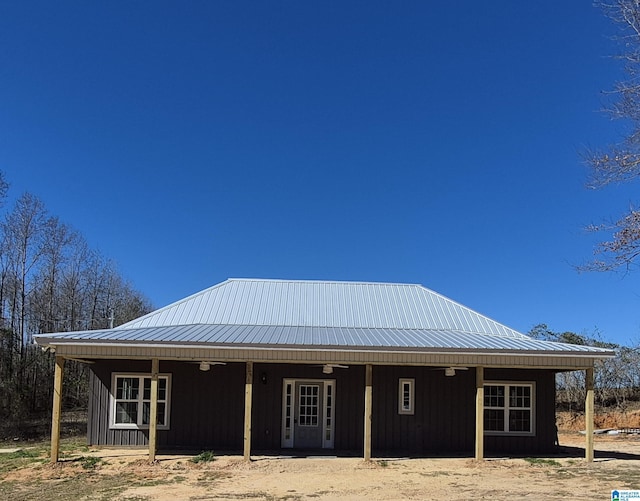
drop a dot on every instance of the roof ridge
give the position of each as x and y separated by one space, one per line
319 281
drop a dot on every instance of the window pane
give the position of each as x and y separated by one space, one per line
126 412
493 420
162 388
494 396
406 396
161 409
146 412
520 396
127 388
519 420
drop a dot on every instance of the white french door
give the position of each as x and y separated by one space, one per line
308 409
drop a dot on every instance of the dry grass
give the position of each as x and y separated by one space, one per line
108 474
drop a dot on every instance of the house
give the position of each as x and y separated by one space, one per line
271 365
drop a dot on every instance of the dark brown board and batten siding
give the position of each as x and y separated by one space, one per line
207 408
266 427
444 418
545 413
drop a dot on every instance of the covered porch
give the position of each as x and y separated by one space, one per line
255 376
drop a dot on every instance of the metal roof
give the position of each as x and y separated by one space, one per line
260 336
323 304
276 314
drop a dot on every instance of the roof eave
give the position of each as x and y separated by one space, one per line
50 343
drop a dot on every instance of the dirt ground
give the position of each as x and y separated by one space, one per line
97 474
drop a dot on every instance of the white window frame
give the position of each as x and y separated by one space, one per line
288 410
507 408
406 388
140 401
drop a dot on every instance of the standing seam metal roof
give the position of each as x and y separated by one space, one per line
319 315
319 337
323 304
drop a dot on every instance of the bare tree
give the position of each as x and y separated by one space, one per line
24 229
617 380
59 240
4 188
73 287
620 163
50 280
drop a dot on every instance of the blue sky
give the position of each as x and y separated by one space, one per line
424 142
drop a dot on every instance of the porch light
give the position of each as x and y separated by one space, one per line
327 369
449 371
205 366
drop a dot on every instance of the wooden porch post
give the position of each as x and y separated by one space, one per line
57 409
479 413
153 418
588 415
248 393
368 401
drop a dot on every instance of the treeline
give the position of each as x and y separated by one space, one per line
616 380
50 281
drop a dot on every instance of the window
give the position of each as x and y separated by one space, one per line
406 396
508 408
131 401
309 399
287 435
328 418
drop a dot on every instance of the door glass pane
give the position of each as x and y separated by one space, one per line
328 426
287 411
308 405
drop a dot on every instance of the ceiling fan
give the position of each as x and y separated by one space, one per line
450 371
205 365
328 368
